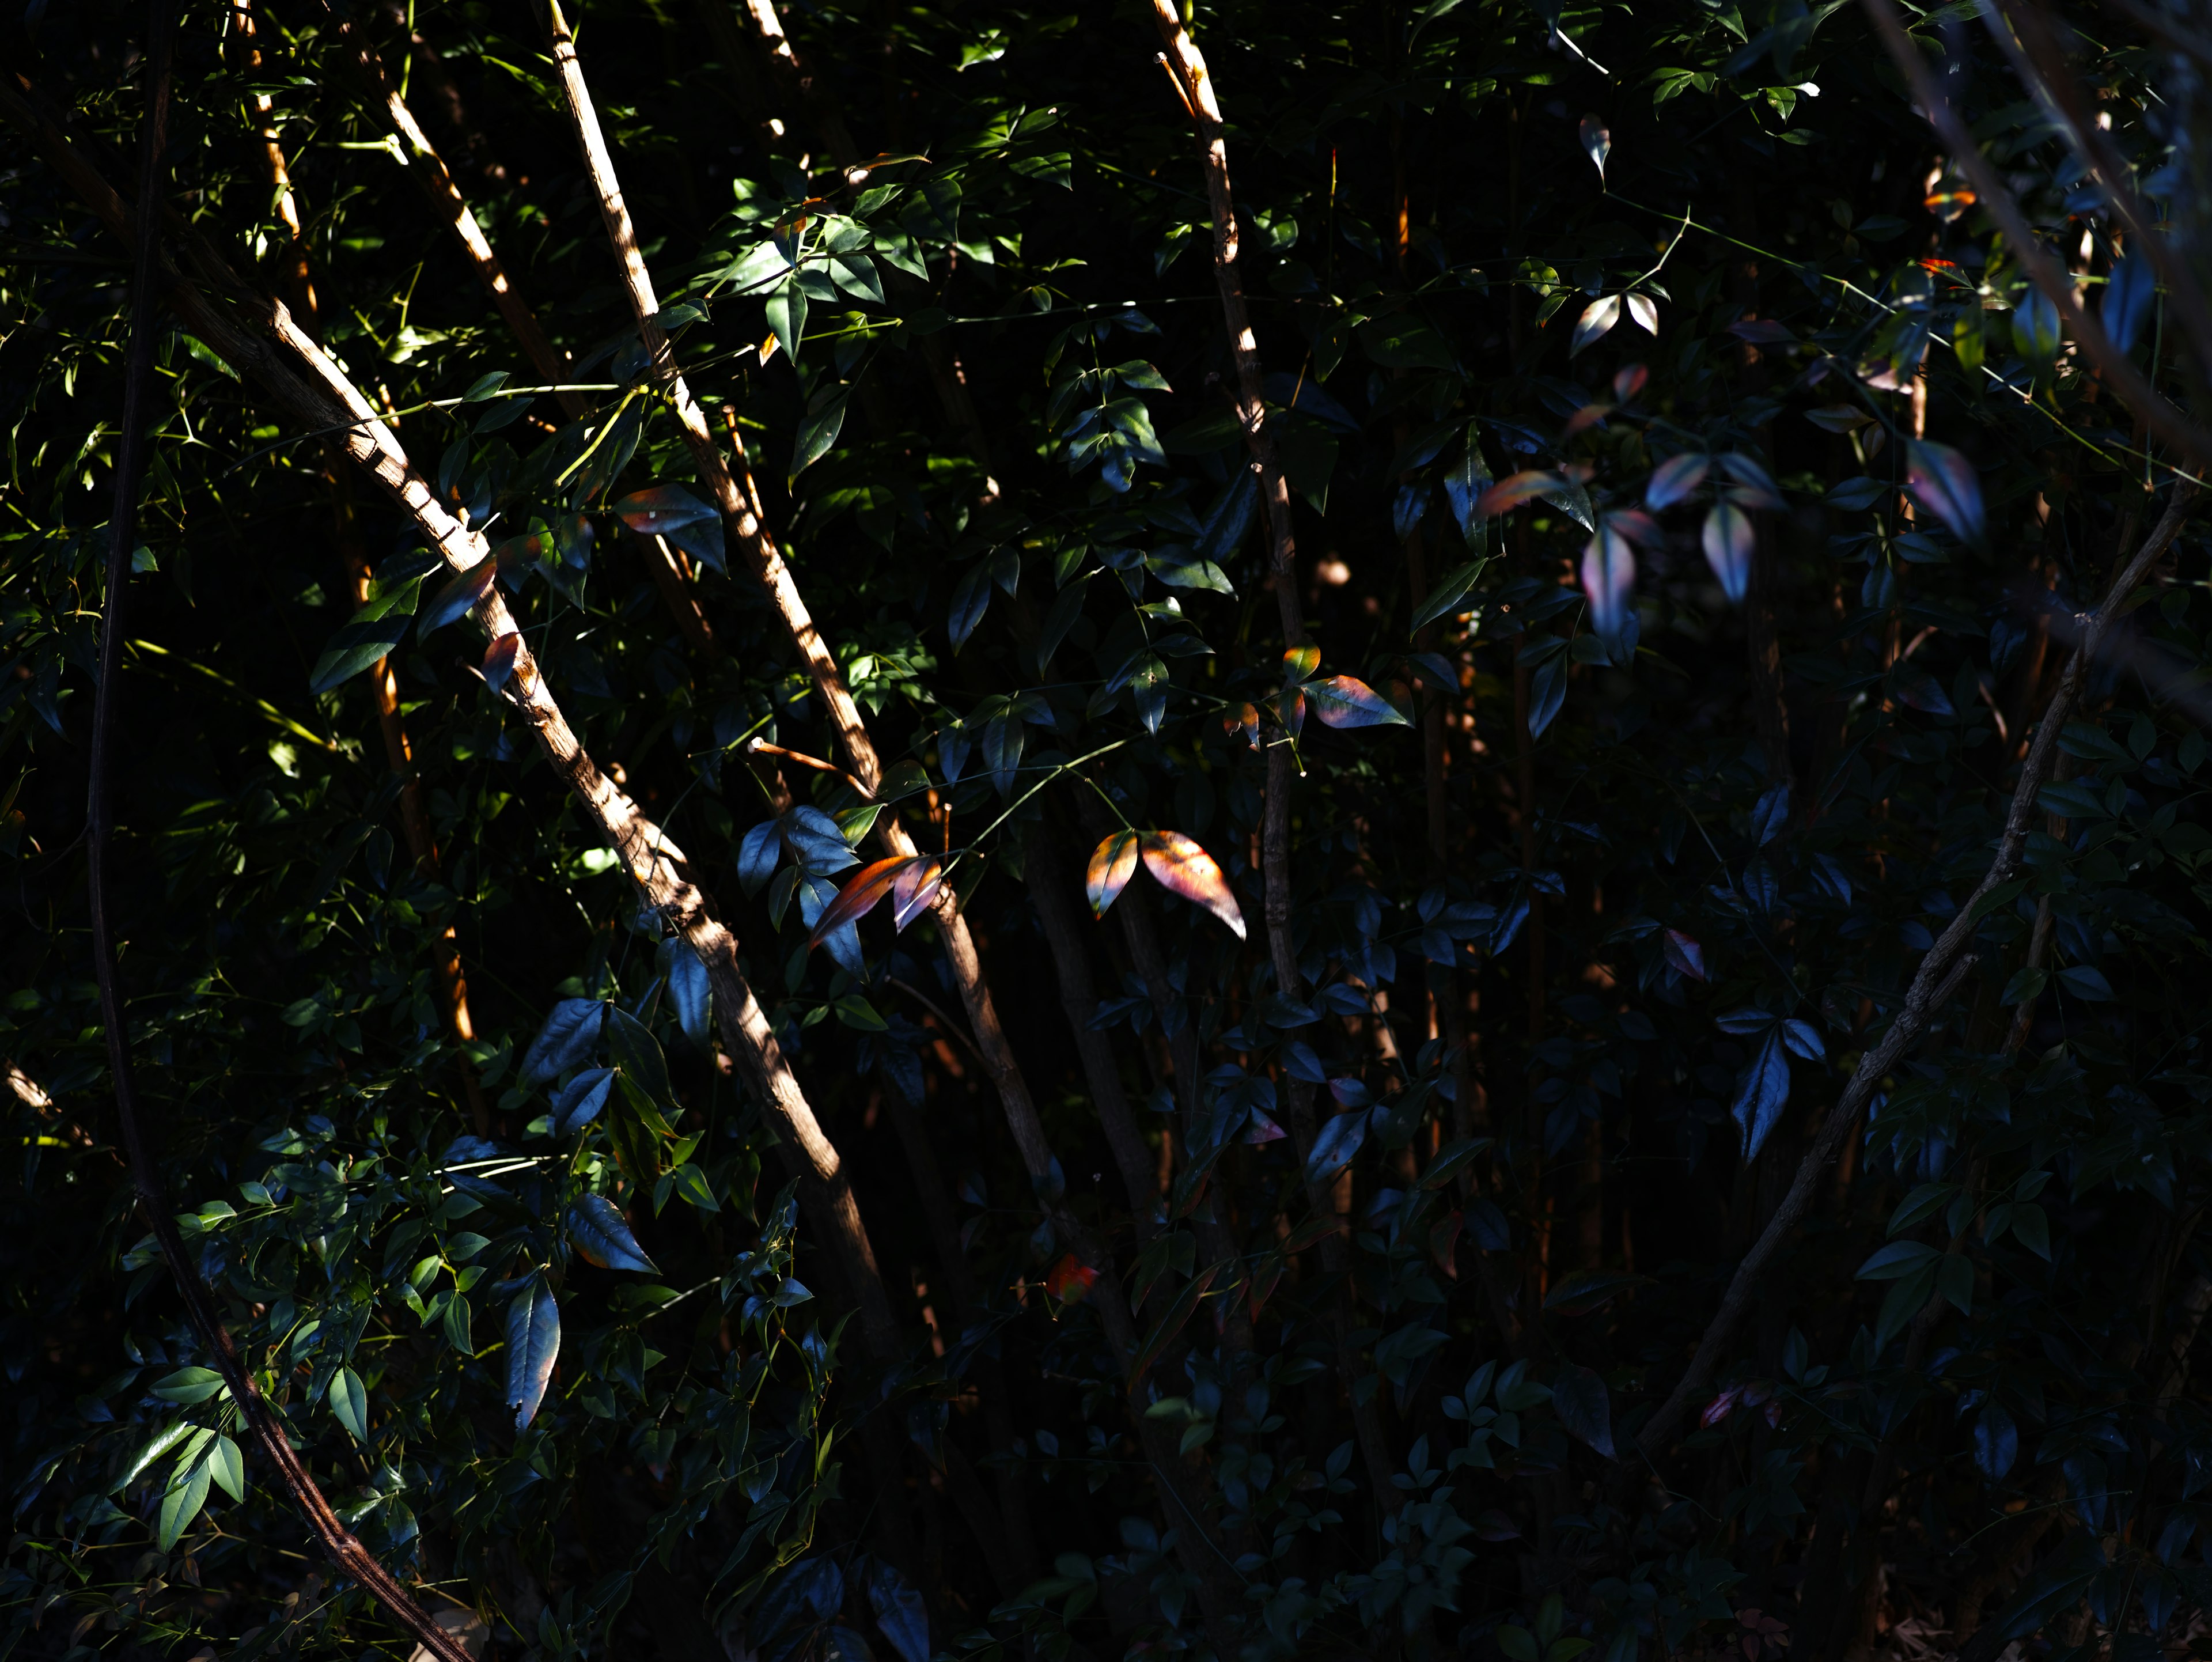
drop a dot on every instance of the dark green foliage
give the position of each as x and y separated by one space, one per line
1666 682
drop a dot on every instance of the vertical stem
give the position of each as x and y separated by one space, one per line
346 1553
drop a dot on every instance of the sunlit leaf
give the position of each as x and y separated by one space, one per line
1596 141
500 659
1112 862
602 1235
1511 492
861 891
1609 581
1597 321
1246 717
1644 311
456 597
571 1033
1674 479
1944 483
1340 701
914 889
1728 540
663 509
1300 661
1182 867
349 1401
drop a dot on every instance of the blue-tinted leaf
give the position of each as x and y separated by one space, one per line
1674 479
1770 816
900 1613
1464 483
1802 1037
971 597
1944 483
1547 691
570 1034
688 989
580 1099
1578 1398
602 1235
1340 701
2086 981
1897 1260
2035 327
1337 1142
2130 293
533 1343
1727 539
1761 1095
1609 581
456 597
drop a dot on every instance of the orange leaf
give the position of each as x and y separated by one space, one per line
1184 868
1509 494
1113 863
867 886
912 889
1301 661
1246 717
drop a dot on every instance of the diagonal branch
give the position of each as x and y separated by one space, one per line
301 379
1941 969
266 1430
2047 274
747 529
430 173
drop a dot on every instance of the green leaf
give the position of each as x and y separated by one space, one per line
1178 567
188 1385
1447 595
786 317
227 1465
1517 1642
179 1505
1897 1259
348 1401
691 1182
856 1012
637 1053
1905 1299
1919 1207
162 1442
825 419
2031 1226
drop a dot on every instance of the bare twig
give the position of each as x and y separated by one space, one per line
2045 272
1941 969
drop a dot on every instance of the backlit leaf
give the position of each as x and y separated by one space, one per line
1112 862
1645 312
1596 141
1597 321
1511 492
1609 580
456 597
1300 661
1943 482
1674 479
664 509
1340 701
858 897
1182 867
349 1401
913 889
1728 540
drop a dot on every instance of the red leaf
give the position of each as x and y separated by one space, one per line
1509 494
1070 1280
1113 863
866 886
500 659
1721 1407
1246 717
913 890
1684 954
1343 702
1184 868
1629 382
1301 661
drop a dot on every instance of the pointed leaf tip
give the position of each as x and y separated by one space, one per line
861 891
1180 865
1943 482
1113 863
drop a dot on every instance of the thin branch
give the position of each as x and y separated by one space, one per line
2047 274
267 1432
436 181
1187 68
311 387
1941 969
